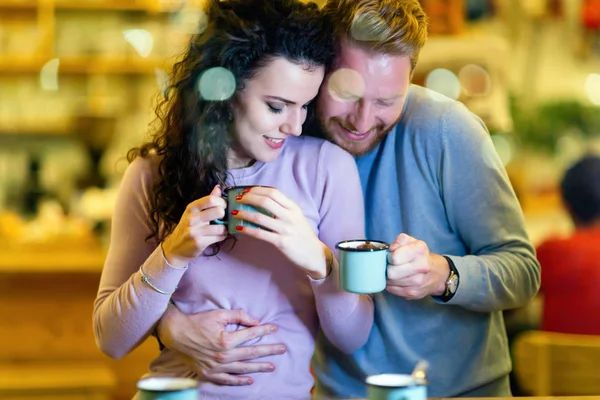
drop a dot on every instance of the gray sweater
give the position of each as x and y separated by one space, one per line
437 177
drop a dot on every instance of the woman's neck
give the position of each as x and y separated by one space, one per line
237 159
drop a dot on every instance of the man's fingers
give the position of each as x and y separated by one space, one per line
225 379
248 353
240 317
401 240
242 368
408 253
397 272
242 336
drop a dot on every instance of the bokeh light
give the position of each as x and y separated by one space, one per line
189 20
592 88
346 84
162 79
491 155
445 82
216 84
141 40
49 75
504 147
475 80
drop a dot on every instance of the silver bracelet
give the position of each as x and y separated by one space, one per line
146 280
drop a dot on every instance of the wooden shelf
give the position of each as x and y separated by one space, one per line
49 262
83 65
18 5
100 6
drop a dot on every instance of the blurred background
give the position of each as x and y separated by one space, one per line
78 82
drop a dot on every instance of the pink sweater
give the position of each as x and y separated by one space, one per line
323 180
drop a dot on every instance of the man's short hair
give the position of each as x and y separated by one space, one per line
397 27
580 189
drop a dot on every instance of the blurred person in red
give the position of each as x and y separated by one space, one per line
571 266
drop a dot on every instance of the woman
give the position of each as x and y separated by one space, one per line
163 245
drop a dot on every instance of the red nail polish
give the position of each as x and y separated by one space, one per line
246 190
238 198
235 212
239 228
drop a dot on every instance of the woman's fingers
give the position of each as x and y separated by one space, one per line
209 230
273 194
266 203
207 215
260 219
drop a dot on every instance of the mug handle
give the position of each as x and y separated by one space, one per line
225 219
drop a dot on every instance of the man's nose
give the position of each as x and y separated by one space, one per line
362 118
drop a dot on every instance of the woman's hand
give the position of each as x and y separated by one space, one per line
288 230
193 234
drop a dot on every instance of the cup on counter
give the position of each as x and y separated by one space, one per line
167 388
396 387
363 265
230 194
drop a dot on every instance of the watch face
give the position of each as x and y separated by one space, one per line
453 283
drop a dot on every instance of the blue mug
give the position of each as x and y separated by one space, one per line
363 265
396 387
230 195
167 388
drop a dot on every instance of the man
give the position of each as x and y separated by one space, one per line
571 266
436 190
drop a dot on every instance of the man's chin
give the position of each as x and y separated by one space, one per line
358 148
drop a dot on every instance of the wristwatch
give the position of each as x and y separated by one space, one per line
451 282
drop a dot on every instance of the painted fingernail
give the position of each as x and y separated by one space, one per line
249 381
246 190
238 198
239 228
235 212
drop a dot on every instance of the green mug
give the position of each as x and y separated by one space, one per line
230 195
396 387
167 388
363 265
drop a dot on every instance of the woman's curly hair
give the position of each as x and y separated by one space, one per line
194 134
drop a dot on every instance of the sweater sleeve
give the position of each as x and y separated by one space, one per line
346 318
501 270
126 309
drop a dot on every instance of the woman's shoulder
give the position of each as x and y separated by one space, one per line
311 148
143 169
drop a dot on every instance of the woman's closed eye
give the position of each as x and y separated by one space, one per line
275 109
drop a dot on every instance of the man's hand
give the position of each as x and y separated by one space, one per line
212 352
413 272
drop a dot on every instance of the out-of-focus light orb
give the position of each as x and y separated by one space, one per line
162 79
445 82
490 154
141 40
369 27
49 75
592 88
346 84
570 146
475 80
190 20
216 84
504 148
